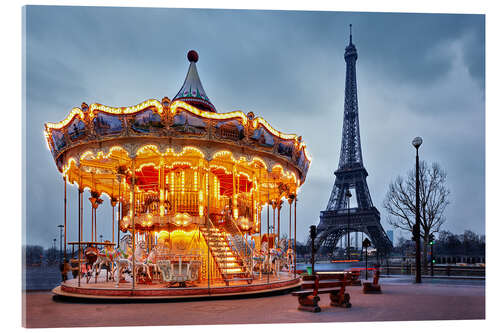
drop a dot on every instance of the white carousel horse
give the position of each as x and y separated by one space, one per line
151 262
120 260
276 259
267 264
140 258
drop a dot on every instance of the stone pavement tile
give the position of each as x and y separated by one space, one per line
397 303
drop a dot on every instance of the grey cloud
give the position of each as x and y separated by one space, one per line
285 66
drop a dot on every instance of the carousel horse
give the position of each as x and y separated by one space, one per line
289 259
258 258
91 254
276 258
151 262
140 258
121 261
106 257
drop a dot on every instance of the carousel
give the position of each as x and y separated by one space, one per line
196 198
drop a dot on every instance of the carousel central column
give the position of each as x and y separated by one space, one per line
133 222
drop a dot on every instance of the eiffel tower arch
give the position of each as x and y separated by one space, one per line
338 219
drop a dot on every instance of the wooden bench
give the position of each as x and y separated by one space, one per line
355 281
373 287
333 283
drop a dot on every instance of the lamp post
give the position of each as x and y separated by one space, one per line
431 242
366 244
312 234
417 142
348 195
60 226
54 249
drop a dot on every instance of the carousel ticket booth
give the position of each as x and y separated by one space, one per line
194 191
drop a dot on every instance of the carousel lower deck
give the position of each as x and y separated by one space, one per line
103 289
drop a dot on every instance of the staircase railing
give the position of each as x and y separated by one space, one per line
241 245
215 258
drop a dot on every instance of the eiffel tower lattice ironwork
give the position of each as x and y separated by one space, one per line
338 219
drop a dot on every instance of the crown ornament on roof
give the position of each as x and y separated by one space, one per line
192 91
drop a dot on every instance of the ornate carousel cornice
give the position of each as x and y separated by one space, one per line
207 139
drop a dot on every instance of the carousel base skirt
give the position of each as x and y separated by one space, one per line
107 290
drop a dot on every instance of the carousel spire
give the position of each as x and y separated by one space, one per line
192 91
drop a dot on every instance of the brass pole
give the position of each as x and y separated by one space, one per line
280 202
119 210
295 239
80 215
65 205
133 223
208 226
268 242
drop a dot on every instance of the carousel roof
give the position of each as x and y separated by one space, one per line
192 90
95 140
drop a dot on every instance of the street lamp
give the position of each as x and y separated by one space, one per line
431 243
417 142
348 195
366 244
60 226
54 249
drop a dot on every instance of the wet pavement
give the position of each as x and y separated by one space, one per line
401 300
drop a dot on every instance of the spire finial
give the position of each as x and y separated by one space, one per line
350 33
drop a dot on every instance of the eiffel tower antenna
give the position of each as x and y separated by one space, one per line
350 33
339 219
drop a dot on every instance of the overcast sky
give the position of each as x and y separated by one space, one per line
418 74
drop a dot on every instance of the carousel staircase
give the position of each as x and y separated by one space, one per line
229 264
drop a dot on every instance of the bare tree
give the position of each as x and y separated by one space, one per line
399 201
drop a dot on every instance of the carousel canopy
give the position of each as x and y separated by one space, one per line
97 146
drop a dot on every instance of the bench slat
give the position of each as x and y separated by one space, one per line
323 284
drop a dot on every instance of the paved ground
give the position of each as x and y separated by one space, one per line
399 301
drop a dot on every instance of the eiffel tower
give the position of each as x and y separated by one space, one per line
339 218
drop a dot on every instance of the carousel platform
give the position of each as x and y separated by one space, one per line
158 291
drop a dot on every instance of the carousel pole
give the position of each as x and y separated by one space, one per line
65 205
268 204
295 238
280 203
113 221
208 226
119 209
80 215
290 200
260 216
133 223
113 203
274 223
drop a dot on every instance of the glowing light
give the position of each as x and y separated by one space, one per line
277 133
74 112
125 110
182 219
174 108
